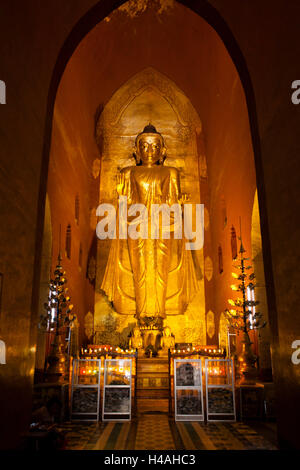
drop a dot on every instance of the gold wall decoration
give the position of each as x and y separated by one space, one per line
210 323
208 268
206 219
89 325
96 168
223 330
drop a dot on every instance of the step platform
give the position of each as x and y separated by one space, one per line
152 388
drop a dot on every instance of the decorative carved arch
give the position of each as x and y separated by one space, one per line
148 78
180 134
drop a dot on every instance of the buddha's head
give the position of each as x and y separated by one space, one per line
149 146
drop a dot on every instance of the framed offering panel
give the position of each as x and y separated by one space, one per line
117 390
188 390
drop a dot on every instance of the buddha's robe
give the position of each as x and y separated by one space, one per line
150 277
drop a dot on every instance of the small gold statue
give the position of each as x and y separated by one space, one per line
136 340
167 340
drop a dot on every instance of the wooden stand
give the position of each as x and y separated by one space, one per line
44 391
250 401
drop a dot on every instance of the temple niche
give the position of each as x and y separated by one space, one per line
149 97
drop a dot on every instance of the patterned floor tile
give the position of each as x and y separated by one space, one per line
158 432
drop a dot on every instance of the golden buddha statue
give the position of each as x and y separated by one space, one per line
167 340
136 340
148 276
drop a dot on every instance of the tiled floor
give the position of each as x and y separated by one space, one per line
158 432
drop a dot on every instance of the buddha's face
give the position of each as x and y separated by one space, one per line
150 149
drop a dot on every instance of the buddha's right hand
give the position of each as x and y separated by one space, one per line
185 198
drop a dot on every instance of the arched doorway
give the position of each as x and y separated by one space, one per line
222 96
221 103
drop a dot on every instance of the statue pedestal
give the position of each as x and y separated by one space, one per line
250 401
153 384
42 392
